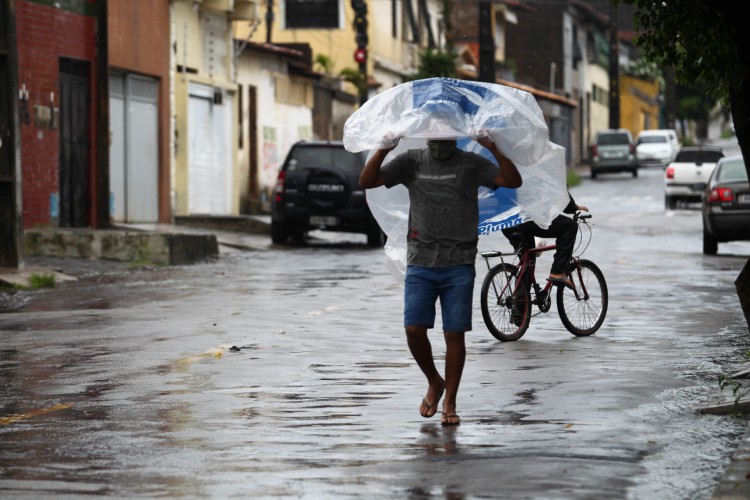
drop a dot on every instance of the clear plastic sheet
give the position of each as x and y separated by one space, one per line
438 108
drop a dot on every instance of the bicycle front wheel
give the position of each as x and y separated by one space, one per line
582 310
506 307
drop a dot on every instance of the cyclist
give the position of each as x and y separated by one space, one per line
563 228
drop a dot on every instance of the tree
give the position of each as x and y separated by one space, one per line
705 41
695 104
435 63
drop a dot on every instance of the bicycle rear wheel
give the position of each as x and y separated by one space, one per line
582 311
506 307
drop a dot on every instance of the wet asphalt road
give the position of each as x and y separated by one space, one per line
124 383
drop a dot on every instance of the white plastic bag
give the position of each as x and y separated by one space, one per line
437 108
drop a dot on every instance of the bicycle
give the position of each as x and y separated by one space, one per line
510 291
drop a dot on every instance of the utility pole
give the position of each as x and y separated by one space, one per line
269 20
11 214
487 71
101 216
614 69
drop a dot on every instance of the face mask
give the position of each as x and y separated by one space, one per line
440 150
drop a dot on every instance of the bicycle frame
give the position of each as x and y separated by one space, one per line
524 258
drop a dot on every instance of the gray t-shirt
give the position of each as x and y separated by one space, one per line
444 208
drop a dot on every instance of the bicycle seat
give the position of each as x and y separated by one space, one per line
494 253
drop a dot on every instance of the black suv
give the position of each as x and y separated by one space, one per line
318 188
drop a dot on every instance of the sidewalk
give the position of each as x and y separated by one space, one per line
192 239
244 233
735 483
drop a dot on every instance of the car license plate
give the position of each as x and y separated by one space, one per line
699 186
744 199
323 220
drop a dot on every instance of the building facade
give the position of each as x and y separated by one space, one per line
276 90
205 177
139 110
58 85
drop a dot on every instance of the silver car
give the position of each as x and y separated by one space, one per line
613 151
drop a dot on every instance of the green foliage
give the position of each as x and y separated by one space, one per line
324 64
572 178
36 280
42 280
738 391
355 77
696 37
693 108
435 63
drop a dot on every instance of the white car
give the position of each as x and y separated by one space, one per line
655 148
686 177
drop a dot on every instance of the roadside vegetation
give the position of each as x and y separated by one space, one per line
36 281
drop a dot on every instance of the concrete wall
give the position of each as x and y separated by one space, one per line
128 246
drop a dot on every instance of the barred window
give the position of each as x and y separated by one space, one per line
311 14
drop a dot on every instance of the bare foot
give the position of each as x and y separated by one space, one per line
429 405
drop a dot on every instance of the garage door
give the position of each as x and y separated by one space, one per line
134 150
210 128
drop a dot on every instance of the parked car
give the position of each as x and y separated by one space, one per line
318 188
654 148
686 177
613 151
726 204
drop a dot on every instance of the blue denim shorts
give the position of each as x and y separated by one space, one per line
454 286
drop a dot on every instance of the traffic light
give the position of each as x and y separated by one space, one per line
360 54
360 29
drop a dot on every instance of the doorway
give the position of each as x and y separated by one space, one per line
75 143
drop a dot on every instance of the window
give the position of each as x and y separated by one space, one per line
698 156
600 95
313 156
652 139
311 14
613 139
732 171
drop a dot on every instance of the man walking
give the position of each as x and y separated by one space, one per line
442 181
